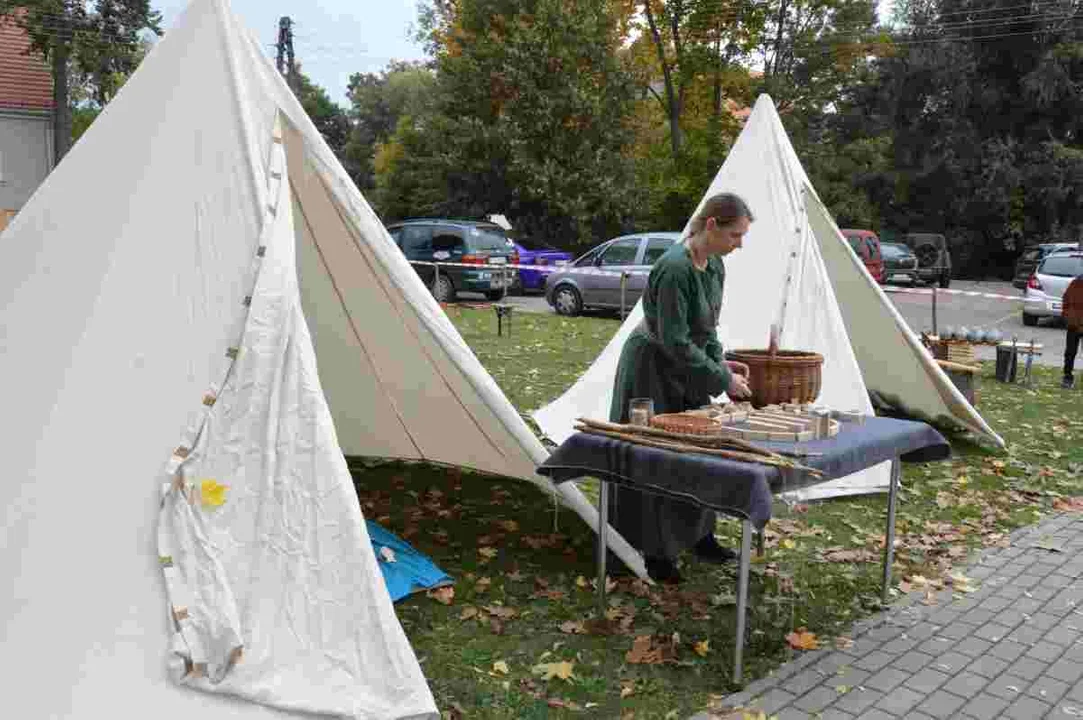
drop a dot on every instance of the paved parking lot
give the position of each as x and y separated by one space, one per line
956 310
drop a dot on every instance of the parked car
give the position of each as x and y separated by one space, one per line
534 252
1032 256
867 246
467 242
580 285
1045 288
900 262
934 257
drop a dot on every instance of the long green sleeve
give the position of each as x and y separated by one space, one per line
673 300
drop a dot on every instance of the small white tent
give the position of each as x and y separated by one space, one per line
797 270
164 300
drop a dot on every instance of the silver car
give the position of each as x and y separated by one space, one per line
594 280
1045 288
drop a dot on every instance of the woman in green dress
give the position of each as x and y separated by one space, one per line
674 357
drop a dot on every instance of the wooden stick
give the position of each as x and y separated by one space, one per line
688 439
682 447
722 440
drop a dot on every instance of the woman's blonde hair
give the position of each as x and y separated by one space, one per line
724 208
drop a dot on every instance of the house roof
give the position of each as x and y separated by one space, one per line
26 83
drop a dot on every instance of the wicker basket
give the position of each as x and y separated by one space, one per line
786 376
685 424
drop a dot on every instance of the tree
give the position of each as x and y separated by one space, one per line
378 101
530 118
98 41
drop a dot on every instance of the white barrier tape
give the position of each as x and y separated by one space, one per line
539 268
968 293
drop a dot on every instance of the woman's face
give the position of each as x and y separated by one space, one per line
724 239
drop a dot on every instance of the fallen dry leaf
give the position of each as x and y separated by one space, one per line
482 584
844 642
1068 504
502 612
500 667
802 639
443 595
562 670
702 648
485 554
573 627
652 650
469 612
509 526
627 688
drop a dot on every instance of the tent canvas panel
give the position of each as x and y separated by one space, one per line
795 269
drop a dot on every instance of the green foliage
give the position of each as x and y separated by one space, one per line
529 119
95 45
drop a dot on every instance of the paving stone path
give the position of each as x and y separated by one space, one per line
1011 649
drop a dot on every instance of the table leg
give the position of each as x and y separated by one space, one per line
603 526
742 601
889 534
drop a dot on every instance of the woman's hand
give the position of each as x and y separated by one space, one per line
738 389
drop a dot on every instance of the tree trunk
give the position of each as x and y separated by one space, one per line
61 103
673 104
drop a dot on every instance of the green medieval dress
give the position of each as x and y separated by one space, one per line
675 358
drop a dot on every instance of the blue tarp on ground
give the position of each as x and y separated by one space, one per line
405 570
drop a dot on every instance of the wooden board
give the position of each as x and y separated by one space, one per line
774 424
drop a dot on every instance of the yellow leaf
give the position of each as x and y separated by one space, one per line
702 648
802 639
487 554
500 667
787 544
581 583
212 493
561 670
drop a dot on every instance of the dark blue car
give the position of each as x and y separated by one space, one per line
533 252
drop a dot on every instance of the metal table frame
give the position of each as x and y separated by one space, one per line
745 560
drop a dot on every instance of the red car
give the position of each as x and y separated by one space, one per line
867 246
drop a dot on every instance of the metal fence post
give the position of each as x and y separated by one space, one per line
623 287
934 312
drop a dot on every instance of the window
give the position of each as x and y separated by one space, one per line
873 250
857 245
621 252
416 240
447 242
396 235
488 238
1062 265
588 259
656 247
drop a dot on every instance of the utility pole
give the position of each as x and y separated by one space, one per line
285 59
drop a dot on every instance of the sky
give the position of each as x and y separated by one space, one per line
335 38
332 38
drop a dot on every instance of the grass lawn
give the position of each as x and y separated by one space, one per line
512 642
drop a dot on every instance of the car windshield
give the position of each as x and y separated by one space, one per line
893 250
1062 265
488 238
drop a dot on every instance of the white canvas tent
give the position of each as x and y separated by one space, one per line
797 270
167 297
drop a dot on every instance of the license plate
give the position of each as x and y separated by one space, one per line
498 261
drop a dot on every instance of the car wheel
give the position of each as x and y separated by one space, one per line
1030 320
494 294
567 301
443 289
945 280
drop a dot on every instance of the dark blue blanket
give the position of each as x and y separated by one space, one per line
737 488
